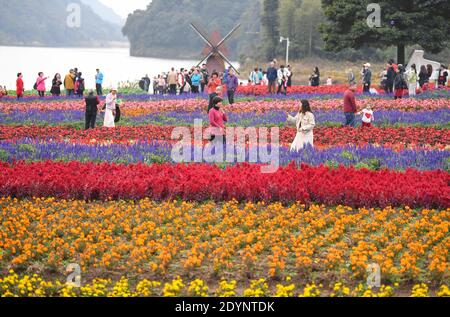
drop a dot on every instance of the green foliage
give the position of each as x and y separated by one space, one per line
347 155
332 164
154 159
44 22
371 164
27 148
447 165
299 20
414 22
4 156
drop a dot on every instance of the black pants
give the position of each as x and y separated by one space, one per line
389 87
213 137
41 93
203 87
91 118
366 87
99 89
195 89
173 89
282 86
231 96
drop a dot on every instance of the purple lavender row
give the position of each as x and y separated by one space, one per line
150 153
275 118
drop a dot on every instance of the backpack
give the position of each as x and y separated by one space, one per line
81 85
35 87
142 84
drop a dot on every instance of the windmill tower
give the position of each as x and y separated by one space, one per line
214 57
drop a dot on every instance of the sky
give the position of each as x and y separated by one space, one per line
123 8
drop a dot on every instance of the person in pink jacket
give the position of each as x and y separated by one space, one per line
40 84
217 117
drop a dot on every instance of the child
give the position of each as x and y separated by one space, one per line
3 91
329 81
367 117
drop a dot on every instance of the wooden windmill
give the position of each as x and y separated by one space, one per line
215 58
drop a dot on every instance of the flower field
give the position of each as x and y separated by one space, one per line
161 241
114 201
397 138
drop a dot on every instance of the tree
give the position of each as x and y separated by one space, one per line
403 23
308 18
299 20
270 27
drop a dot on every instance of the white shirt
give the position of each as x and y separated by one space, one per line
283 74
111 102
367 116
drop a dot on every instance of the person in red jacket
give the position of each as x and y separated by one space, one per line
19 86
213 84
350 108
217 117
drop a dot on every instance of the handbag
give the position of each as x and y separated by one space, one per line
35 87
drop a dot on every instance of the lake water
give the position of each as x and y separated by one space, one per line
115 63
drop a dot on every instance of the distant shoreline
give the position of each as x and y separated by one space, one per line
112 44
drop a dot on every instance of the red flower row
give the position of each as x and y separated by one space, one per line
411 137
334 89
201 182
263 90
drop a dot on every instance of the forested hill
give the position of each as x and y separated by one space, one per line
44 23
163 29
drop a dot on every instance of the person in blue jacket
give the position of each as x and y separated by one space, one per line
99 82
196 81
272 77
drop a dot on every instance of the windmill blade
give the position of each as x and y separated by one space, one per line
228 62
196 29
229 35
206 58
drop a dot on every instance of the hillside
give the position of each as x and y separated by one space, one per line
163 29
106 13
44 23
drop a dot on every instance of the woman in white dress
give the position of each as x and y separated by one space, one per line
110 110
305 123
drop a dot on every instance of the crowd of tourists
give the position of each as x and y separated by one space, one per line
395 80
74 84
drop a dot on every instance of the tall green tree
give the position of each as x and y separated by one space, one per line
403 23
270 26
308 18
